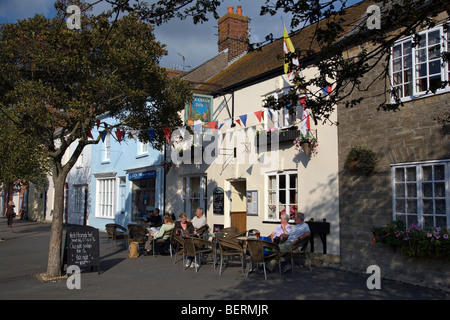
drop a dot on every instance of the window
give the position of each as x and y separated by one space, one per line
282 195
417 67
142 148
143 197
106 198
107 155
281 118
194 195
421 193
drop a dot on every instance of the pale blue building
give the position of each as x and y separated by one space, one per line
126 181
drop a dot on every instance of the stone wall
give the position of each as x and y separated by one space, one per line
408 135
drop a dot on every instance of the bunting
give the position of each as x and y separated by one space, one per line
119 134
212 125
288 47
327 90
260 115
167 134
89 133
243 118
151 134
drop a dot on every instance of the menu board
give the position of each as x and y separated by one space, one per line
252 202
83 247
218 201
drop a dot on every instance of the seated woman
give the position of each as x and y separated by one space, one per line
283 228
160 246
183 227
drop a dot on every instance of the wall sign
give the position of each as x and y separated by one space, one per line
142 175
252 202
218 201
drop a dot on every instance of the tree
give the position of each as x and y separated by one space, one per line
55 82
21 157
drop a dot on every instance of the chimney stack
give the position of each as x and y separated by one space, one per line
233 33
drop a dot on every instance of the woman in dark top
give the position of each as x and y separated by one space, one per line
184 227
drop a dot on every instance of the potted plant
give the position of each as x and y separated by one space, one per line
307 142
361 160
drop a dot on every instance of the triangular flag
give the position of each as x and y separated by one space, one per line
305 124
89 133
228 122
220 127
244 119
303 101
151 134
260 115
104 136
327 90
119 134
238 121
270 114
213 125
167 134
98 123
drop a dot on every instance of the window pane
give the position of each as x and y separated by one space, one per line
421 70
400 190
439 172
400 206
428 206
440 206
427 173
441 221
410 174
428 221
439 189
282 181
411 205
411 190
399 174
293 181
397 51
427 189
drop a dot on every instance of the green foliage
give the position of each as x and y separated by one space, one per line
362 160
414 241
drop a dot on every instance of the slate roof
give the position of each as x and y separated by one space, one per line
267 61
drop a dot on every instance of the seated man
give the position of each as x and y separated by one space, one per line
155 219
298 232
199 220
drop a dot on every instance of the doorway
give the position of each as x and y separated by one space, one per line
238 204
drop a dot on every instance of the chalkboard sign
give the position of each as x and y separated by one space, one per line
218 200
83 247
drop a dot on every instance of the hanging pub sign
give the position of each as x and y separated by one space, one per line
199 109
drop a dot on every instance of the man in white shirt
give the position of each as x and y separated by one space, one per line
199 220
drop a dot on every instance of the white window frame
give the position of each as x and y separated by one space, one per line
419 199
276 193
281 119
142 148
407 64
188 198
107 154
106 197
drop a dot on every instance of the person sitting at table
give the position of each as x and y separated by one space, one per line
298 232
183 227
155 219
199 220
163 245
283 228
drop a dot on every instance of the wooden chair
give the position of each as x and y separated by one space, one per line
136 233
195 247
230 247
116 232
162 241
229 232
178 243
202 231
299 248
256 248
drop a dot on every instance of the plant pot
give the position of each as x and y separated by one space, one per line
306 148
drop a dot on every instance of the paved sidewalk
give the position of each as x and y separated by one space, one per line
24 252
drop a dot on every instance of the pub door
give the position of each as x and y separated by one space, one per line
238 205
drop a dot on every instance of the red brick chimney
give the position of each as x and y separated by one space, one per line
233 33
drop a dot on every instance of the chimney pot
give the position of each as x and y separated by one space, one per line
239 10
230 9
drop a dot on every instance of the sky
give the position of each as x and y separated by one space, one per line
188 45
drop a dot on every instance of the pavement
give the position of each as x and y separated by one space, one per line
24 253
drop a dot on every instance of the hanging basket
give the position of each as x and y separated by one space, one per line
307 148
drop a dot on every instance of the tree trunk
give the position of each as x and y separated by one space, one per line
54 254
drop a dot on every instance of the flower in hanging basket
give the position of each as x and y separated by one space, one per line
307 142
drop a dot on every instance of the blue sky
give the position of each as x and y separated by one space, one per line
196 43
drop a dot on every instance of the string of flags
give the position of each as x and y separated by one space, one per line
198 126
